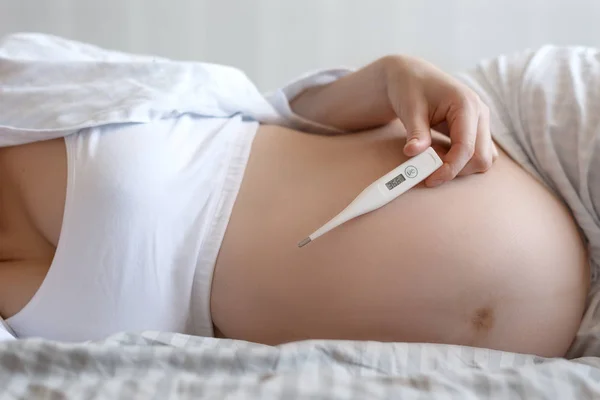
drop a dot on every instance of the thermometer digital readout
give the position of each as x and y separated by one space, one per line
384 190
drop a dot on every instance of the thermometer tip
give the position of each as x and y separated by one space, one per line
304 242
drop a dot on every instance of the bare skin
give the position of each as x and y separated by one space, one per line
490 260
497 262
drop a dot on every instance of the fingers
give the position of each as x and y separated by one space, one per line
472 149
463 121
485 152
418 133
430 97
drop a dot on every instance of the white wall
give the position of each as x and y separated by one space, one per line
274 40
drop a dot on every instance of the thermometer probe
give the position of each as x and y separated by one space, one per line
384 190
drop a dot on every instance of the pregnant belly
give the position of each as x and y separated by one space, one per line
491 260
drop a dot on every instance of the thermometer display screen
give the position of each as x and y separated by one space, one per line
395 182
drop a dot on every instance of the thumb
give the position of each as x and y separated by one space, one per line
418 133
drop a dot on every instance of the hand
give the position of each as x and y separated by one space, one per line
422 96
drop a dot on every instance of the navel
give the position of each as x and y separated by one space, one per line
483 320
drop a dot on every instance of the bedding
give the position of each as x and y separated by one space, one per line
159 365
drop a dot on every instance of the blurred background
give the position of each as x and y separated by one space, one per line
275 40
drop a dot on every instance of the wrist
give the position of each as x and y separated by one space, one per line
390 69
386 65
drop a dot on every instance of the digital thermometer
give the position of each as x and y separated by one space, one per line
384 190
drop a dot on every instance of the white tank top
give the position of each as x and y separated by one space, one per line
140 205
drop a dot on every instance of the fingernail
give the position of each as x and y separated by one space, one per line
435 183
412 141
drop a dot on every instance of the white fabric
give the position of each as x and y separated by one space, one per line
6 333
52 87
141 229
181 367
156 153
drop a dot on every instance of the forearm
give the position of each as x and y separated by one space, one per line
357 101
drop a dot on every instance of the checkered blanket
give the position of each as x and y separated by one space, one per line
156 365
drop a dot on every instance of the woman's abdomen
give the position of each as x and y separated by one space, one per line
490 260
